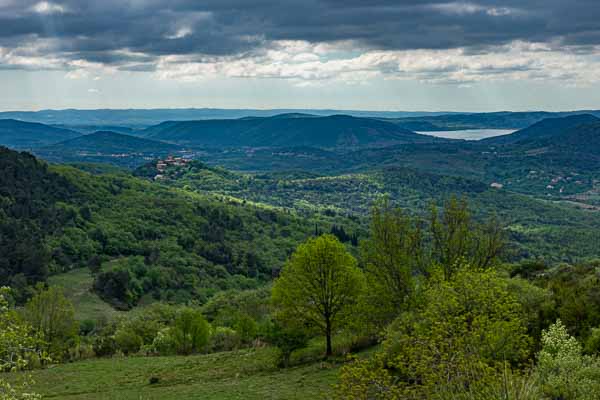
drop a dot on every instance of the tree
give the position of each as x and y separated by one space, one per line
128 341
17 346
52 315
190 331
467 327
456 239
563 371
319 285
286 340
461 336
246 327
392 255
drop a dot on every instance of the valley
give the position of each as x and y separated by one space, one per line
141 226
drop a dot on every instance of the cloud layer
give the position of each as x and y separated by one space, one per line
309 41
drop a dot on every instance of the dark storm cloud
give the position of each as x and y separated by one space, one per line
137 31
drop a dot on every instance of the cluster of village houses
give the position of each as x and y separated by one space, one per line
161 165
551 186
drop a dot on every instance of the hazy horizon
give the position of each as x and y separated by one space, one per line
285 109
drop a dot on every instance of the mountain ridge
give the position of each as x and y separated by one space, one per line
24 135
547 129
286 130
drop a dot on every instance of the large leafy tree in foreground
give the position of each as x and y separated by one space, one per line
319 286
17 345
466 331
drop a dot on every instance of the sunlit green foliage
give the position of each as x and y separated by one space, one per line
190 331
462 334
563 371
53 317
393 255
18 347
319 286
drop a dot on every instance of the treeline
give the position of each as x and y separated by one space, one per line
31 209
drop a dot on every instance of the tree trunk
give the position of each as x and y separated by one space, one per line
328 336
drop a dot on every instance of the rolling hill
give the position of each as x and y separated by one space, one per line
27 135
491 120
547 129
531 224
58 218
337 131
107 142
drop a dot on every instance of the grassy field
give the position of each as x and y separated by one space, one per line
248 374
78 288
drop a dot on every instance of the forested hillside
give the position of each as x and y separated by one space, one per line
286 130
139 238
536 227
26 135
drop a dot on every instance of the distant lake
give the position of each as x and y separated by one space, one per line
469 134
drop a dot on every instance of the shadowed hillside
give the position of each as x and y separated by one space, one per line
287 130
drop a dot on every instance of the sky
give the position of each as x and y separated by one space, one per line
412 55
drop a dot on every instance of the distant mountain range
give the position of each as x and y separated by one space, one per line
555 146
26 135
119 120
147 117
336 131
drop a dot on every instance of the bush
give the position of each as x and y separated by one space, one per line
287 341
563 371
52 316
592 343
246 328
164 342
104 343
191 331
86 327
461 336
128 341
224 339
81 351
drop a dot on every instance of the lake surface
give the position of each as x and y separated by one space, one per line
470 134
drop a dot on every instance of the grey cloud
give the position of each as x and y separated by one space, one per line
99 31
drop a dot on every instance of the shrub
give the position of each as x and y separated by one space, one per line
592 343
104 343
128 341
563 371
86 327
246 328
224 339
287 341
52 315
191 331
164 342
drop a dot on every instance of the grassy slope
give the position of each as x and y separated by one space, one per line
78 288
245 375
